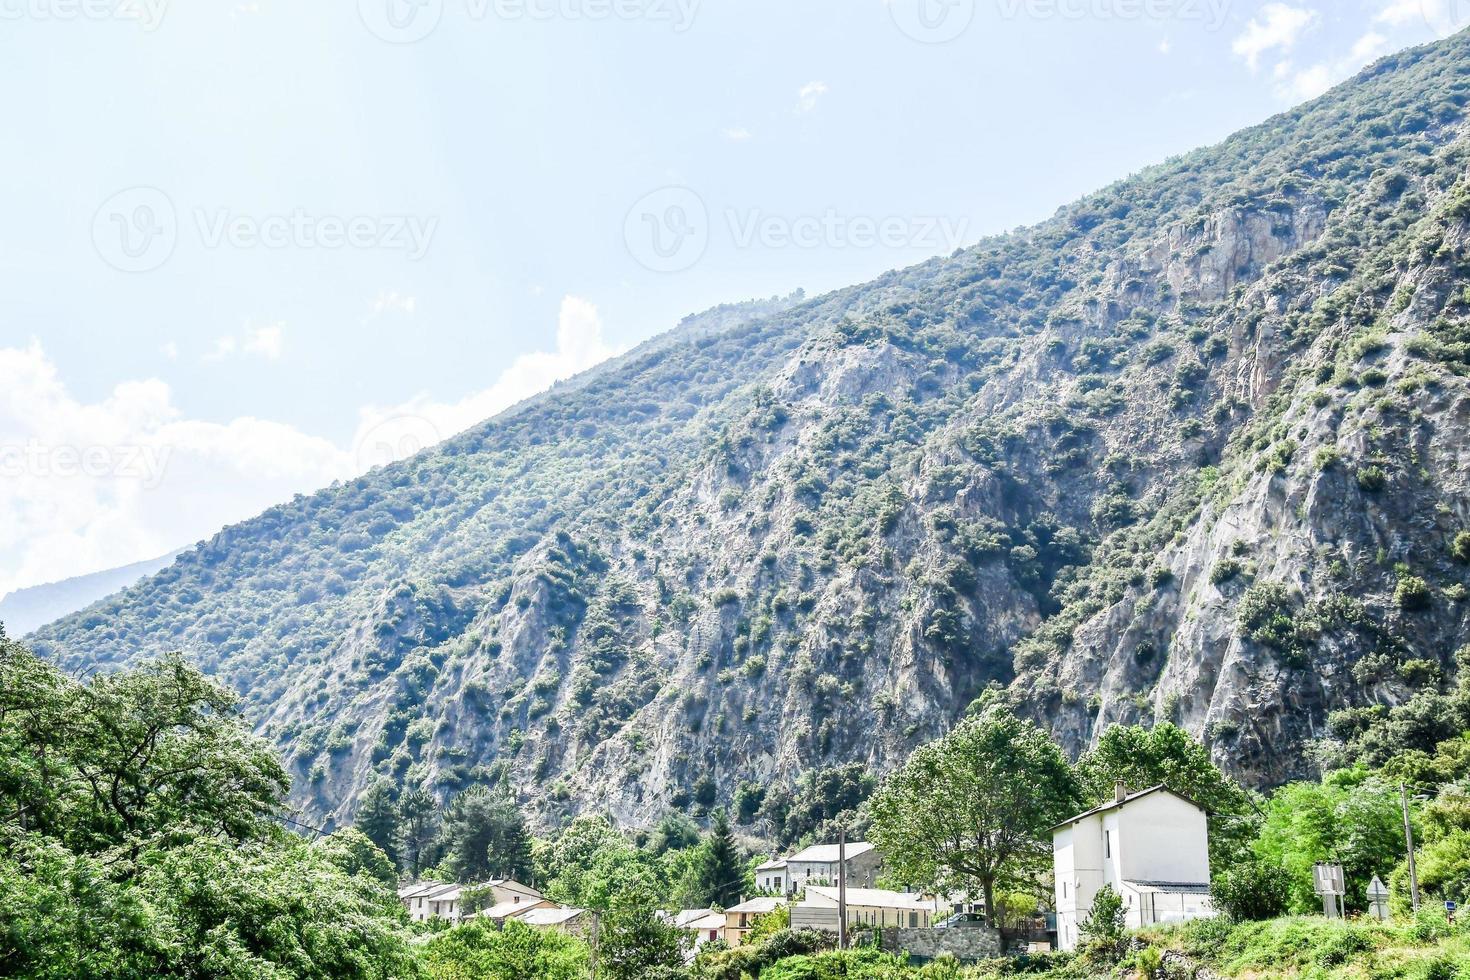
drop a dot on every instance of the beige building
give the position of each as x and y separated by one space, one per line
554 918
867 907
740 919
434 900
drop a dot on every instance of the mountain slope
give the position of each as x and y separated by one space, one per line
1177 452
25 609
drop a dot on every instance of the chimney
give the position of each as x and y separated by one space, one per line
1120 791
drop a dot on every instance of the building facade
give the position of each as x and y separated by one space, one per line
1151 847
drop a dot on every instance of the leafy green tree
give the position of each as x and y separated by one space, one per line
1349 817
479 951
485 836
353 853
418 830
1168 755
635 940
675 831
722 871
1251 891
1104 931
590 863
377 817
972 811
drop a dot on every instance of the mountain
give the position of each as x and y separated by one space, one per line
1194 449
25 609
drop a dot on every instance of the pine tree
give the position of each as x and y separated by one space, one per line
722 872
418 828
485 836
377 818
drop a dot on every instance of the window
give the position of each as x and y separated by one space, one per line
913 920
1107 843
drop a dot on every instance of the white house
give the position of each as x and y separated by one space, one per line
771 877
818 865
432 900
1152 847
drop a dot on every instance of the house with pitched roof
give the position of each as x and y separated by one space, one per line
1152 847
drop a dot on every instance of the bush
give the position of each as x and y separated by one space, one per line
1372 479
1413 594
1460 548
1252 891
1103 931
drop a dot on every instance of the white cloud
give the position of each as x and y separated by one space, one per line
579 345
1278 28
736 134
1397 13
1165 46
392 301
267 341
1443 17
1301 85
170 350
86 486
810 94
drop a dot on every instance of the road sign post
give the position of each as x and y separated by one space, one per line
1378 899
1330 883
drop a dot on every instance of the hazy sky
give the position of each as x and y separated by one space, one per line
251 248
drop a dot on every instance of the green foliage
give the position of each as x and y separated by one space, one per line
138 840
516 952
1460 548
1167 755
722 873
1103 932
1271 614
1350 817
635 940
1412 594
1251 890
485 836
972 811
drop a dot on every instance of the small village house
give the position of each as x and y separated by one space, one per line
555 918
515 908
434 900
867 907
740 919
771 877
703 925
819 865
1152 847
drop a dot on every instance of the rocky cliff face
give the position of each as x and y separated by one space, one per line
1195 449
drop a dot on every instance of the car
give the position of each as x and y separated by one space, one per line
963 920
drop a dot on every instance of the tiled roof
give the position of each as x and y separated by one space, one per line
827 853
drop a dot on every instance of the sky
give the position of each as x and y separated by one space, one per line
251 248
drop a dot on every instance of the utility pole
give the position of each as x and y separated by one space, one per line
1409 839
596 920
842 888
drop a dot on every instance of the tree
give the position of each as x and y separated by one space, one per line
722 872
418 829
352 853
377 817
1349 817
1104 930
635 940
479 951
1251 891
973 810
591 862
1166 754
485 836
